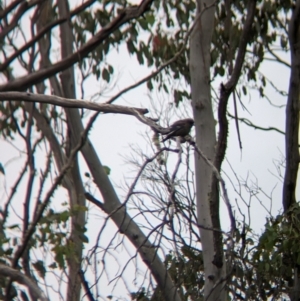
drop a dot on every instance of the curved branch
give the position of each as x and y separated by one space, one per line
227 88
69 103
9 8
162 66
225 93
277 58
256 127
23 279
42 33
123 17
13 23
122 219
84 104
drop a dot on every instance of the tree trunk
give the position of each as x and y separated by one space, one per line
206 140
76 194
292 130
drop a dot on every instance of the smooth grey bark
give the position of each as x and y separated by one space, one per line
117 211
207 184
112 204
71 103
206 141
76 194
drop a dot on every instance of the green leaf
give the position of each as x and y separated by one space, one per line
261 91
106 169
15 241
64 216
39 266
14 226
244 90
59 257
105 75
110 69
267 267
53 265
150 19
84 238
144 24
298 259
140 57
79 208
130 47
149 85
283 42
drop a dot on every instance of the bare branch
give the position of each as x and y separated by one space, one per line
227 88
23 279
22 9
123 17
70 103
164 65
42 32
256 127
85 284
277 57
49 194
9 8
222 183
230 85
75 103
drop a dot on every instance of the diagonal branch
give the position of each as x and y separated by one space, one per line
69 103
164 65
9 8
123 17
123 221
256 127
26 5
57 181
41 33
84 104
23 279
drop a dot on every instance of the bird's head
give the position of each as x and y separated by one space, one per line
190 121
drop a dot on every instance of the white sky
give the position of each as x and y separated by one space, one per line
113 135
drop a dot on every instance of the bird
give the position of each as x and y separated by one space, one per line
179 128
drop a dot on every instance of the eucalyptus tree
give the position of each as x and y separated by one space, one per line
189 47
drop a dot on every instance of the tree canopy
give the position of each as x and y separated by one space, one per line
181 225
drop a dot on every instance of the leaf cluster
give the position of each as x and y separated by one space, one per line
278 253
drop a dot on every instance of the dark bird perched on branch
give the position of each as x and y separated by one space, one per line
180 128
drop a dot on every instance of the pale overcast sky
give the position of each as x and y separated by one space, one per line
113 135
